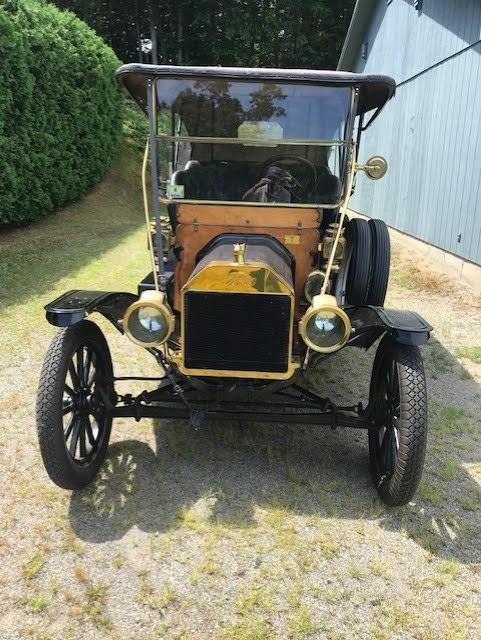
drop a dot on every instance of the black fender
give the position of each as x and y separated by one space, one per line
73 306
369 323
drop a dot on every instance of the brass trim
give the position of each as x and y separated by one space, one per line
197 280
147 214
192 285
316 272
375 168
343 212
239 253
241 203
221 373
257 142
154 299
324 302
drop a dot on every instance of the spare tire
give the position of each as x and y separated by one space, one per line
359 238
380 262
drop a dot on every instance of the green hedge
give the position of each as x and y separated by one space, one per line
60 109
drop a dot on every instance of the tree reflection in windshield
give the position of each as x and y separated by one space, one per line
217 107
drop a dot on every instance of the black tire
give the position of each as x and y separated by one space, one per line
398 402
380 262
78 396
358 235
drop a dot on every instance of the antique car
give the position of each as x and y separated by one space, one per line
258 272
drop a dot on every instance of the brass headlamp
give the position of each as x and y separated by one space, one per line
325 327
149 321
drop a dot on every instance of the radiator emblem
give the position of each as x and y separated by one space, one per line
239 253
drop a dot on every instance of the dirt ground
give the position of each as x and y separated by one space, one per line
232 532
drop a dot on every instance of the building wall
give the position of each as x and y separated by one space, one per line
430 133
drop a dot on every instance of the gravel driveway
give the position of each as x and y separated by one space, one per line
252 532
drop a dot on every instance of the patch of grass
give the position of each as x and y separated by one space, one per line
302 623
254 597
35 603
437 360
246 629
288 538
306 560
410 274
377 632
410 271
448 470
324 543
33 564
119 561
379 568
80 574
426 534
36 634
452 420
335 594
72 544
356 571
158 601
96 598
471 499
432 492
470 353
53 587
192 519
294 594
448 568
207 566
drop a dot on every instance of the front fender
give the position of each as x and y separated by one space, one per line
369 323
73 306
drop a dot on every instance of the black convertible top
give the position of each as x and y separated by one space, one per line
374 90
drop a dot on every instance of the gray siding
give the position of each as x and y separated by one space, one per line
430 132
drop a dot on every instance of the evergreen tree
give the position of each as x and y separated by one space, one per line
276 33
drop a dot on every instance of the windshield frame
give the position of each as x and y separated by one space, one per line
342 145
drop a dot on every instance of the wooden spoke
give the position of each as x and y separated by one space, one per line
90 433
80 364
82 438
67 408
69 390
69 427
87 365
75 438
73 375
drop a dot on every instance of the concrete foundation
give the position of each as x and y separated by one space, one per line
455 266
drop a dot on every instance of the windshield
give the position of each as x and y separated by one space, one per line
259 142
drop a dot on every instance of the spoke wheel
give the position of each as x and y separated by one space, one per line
72 422
398 409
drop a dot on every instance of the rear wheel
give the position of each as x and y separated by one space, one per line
399 410
72 423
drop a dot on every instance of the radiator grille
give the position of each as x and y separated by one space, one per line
236 331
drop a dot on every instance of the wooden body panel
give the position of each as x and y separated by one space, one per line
248 216
296 229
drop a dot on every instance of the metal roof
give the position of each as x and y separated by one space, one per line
361 17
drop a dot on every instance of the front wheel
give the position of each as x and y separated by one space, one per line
398 404
75 385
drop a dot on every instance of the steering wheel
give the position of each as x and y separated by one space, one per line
300 183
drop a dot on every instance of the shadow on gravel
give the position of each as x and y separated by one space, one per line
306 470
